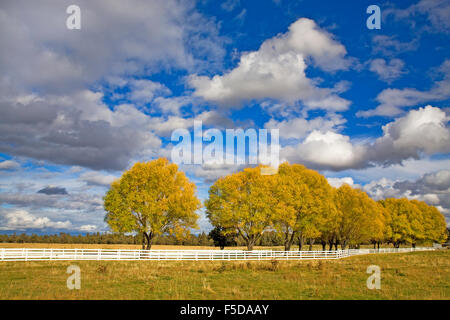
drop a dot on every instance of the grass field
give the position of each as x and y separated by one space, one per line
417 275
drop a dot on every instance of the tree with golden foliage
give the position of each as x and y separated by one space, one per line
433 222
242 203
412 221
152 198
360 218
304 204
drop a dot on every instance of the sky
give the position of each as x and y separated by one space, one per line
367 107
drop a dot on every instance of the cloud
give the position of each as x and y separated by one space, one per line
437 13
420 132
143 91
172 105
326 150
433 188
9 165
88 228
211 172
393 100
47 112
53 190
83 205
77 129
18 219
138 37
390 46
229 5
277 71
298 128
78 201
97 178
337 182
387 72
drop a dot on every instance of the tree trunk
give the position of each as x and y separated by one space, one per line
324 245
311 242
148 238
301 240
288 241
143 241
250 246
378 245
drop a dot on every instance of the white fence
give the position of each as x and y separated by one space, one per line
27 254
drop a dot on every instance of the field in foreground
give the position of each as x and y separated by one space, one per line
417 275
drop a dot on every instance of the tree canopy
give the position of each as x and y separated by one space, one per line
360 218
242 202
304 204
295 205
152 198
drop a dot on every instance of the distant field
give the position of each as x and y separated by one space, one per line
417 275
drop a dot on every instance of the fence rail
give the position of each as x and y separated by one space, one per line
27 254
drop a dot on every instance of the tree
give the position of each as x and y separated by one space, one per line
222 239
406 221
433 222
242 203
305 204
360 218
152 198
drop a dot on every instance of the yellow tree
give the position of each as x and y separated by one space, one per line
152 198
361 218
406 221
434 225
386 235
305 204
242 203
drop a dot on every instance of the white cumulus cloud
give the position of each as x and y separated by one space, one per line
277 71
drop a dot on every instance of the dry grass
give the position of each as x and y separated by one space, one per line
418 275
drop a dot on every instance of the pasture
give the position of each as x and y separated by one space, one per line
416 275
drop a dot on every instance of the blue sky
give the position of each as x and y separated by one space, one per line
365 107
